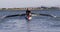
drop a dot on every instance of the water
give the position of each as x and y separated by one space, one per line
37 24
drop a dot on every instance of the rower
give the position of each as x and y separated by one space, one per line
28 14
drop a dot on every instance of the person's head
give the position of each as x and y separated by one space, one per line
28 9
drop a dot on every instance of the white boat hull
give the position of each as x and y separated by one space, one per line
28 18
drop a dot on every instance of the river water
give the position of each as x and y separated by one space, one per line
37 24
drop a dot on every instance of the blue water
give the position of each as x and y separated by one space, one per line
37 24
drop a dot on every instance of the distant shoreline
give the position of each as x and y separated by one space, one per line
38 8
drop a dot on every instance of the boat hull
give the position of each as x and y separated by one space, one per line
28 18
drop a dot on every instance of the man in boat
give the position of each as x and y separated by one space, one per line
28 14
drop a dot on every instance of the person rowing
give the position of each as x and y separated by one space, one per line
29 15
